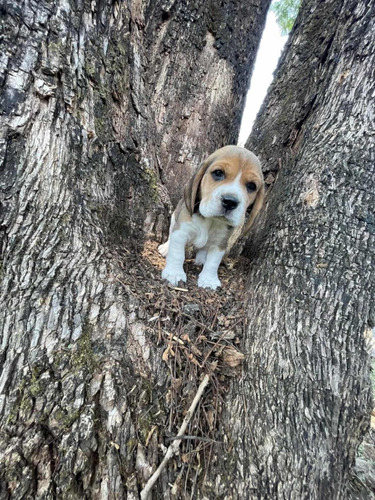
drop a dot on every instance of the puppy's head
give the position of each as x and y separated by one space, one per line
225 185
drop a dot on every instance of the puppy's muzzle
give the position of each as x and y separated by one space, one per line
229 203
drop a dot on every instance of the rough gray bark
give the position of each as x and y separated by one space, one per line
100 102
305 400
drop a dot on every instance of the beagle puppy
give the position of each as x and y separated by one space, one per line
212 213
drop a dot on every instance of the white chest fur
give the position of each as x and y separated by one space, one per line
203 232
209 236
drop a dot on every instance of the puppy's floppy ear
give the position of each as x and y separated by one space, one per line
258 203
191 190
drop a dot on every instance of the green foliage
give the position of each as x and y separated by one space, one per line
286 12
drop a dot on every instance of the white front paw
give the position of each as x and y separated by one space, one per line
173 275
208 281
201 257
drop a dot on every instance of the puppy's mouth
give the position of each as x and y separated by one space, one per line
223 215
225 218
228 212
222 218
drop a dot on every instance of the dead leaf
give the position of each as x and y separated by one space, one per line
210 417
169 351
176 383
196 351
231 356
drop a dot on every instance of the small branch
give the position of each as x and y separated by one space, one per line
173 448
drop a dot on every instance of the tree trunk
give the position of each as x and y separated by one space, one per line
107 108
305 399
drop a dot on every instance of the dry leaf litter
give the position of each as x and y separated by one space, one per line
200 332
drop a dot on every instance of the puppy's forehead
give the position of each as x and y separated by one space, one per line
236 159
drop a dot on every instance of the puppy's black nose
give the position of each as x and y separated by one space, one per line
229 202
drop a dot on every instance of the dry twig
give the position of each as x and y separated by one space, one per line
173 448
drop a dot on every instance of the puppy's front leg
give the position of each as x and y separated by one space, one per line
208 278
174 270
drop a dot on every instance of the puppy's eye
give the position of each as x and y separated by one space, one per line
251 186
218 175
